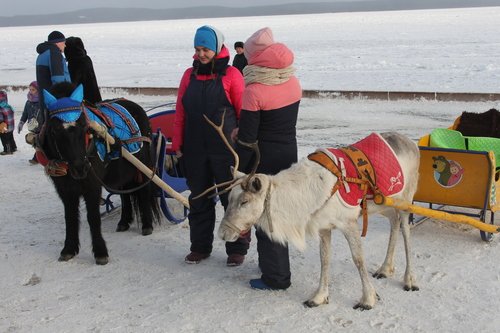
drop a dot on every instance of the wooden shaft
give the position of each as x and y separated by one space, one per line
101 131
440 215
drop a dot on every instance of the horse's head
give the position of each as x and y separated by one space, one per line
67 132
247 203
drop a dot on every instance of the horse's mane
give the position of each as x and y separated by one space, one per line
62 89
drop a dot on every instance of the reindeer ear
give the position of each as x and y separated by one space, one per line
237 174
255 185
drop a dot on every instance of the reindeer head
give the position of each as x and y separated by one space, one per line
247 203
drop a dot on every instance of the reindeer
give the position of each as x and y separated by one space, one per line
300 201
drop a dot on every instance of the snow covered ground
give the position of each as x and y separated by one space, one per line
146 287
452 50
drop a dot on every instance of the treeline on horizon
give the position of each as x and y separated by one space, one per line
103 15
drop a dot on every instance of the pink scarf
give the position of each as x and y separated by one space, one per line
33 97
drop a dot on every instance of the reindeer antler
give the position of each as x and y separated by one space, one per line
235 181
219 130
255 147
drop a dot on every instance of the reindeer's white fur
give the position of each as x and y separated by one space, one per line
300 204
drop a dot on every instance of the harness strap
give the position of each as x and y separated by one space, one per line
121 115
52 113
366 178
101 115
326 162
138 139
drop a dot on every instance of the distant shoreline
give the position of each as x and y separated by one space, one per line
108 15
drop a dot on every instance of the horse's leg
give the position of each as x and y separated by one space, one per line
144 200
321 295
92 200
409 279
71 202
352 235
387 268
126 216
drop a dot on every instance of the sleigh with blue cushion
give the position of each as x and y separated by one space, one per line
161 119
460 167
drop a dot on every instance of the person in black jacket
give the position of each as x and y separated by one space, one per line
81 69
239 61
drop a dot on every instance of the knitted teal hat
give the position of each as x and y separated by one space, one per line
209 37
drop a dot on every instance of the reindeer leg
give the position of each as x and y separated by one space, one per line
321 295
352 234
409 279
387 268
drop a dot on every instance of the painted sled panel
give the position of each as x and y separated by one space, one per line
457 178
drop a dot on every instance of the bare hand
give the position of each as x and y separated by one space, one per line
234 134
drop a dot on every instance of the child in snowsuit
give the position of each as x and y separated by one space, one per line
7 125
31 115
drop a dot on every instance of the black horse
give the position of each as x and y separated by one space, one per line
78 170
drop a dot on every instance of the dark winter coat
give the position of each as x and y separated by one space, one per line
32 110
81 69
240 61
51 66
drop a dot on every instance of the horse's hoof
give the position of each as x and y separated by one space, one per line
101 260
66 257
122 227
147 231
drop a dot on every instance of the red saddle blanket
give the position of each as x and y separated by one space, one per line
387 169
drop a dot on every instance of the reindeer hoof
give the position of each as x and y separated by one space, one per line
147 231
412 288
310 304
379 276
101 260
122 227
66 257
362 307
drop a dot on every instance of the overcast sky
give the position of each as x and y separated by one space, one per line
29 7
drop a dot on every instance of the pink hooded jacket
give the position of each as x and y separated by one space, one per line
262 50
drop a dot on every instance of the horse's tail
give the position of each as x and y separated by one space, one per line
151 200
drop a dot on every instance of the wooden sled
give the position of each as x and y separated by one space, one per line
460 171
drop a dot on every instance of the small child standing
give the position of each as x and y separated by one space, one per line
6 125
31 115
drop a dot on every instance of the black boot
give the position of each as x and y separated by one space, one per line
7 150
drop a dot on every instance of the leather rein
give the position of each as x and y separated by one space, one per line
59 167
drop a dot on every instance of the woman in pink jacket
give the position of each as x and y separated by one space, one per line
269 115
213 88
